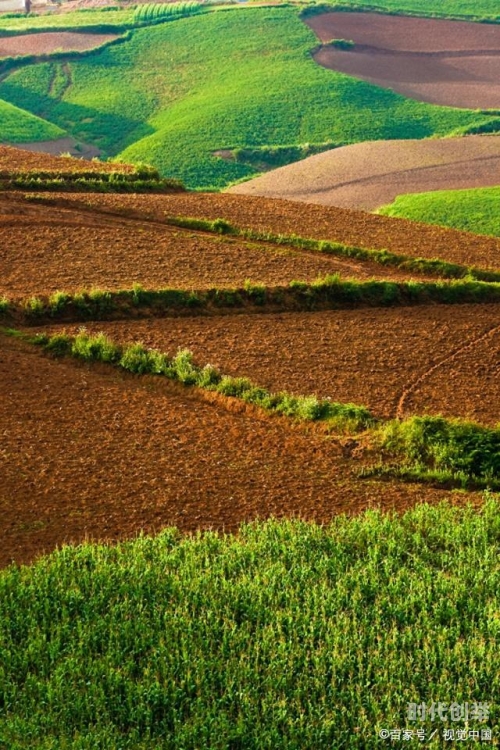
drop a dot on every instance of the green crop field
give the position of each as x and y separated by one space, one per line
475 210
73 19
174 93
19 126
289 635
488 9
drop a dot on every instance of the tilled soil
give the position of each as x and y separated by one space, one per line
88 452
50 41
46 250
398 362
355 228
452 63
21 160
369 175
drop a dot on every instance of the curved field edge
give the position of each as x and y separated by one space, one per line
19 126
162 642
428 448
234 79
474 210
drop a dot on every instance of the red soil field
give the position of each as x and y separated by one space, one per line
369 175
21 160
45 250
355 228
91 453
398 362
50 41
454 63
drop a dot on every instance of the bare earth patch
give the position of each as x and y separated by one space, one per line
50 41
369 175
455 63
398 362
29 158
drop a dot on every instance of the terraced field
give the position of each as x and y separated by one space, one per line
426 360
157 453
281 217
136 454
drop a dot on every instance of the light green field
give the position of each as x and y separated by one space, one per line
288 636
447 8
174 93
18 126
476 210
68 20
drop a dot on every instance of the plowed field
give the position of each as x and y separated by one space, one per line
355 228
50 41
398 362
454 63
368 175
21 160
92 453
88 451
45 251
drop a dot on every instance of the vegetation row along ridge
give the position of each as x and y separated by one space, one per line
330 292
425 447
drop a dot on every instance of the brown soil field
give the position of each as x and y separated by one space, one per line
369 175
91 453
397 362
45 250
50 41
355 228
453 63
29 160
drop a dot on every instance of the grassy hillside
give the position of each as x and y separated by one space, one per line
223 80
18 126
470 210
247 642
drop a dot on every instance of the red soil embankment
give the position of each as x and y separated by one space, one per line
369 175
22 160
455 63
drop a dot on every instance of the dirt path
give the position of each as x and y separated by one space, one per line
452 358
452 63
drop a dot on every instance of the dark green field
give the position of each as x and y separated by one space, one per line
287 636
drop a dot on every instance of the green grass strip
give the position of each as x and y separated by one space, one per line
140 360
426 266
329 292
288 635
